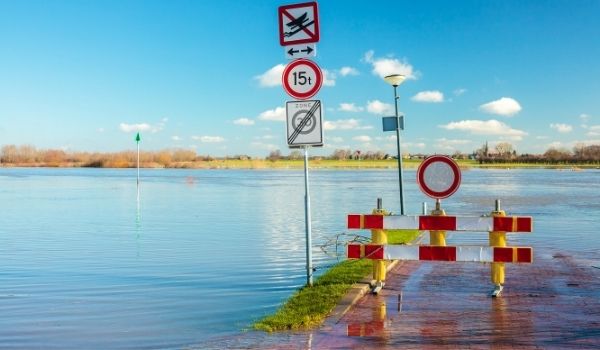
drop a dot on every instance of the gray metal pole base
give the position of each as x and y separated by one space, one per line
497 290
377 287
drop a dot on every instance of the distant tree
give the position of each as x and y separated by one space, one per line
504 149
341 154
274 155
9 154
557 155
295 155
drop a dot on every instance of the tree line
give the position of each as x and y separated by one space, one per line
505 153
27 155
30 156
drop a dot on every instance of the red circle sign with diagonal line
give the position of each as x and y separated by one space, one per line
302 79
298 24
438 176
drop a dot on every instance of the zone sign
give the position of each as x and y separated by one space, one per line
302 79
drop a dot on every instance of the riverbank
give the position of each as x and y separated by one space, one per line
309 306
315 163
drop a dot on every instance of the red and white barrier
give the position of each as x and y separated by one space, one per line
441 253
441 223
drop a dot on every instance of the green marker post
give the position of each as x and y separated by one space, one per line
137 140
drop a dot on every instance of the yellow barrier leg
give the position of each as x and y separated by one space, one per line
437 237
379 266
497 239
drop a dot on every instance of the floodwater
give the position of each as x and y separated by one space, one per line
88 261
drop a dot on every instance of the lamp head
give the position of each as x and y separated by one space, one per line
394 79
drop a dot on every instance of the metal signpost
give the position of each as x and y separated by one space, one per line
302 79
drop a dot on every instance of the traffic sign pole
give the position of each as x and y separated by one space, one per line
302 79
307 219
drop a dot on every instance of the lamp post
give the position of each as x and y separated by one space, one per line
395 80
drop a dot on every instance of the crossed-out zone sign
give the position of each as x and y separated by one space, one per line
304 123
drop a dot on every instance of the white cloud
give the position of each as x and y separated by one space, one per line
459 92
208 139
486 127
243 121
362 138
555 145
277 114
383 67
264 137
542 137
593 131
335 139
175 138
350 107
261 145
346 71
328 78
420 145
378 107
344 124
429 96
562 128
505 106
100 130
584 117
447 144
272 77
141 127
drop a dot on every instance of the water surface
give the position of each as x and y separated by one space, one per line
88 262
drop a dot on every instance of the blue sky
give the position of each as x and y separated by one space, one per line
85 75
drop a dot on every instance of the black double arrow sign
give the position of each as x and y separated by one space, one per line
308 50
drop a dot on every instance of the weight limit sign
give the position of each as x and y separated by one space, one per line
304 123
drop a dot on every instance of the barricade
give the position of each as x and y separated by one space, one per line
497 224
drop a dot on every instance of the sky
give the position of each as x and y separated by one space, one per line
86 75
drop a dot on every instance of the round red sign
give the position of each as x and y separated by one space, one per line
302 79
438 176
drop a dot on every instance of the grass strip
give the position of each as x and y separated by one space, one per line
309 306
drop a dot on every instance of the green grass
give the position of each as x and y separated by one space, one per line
309 306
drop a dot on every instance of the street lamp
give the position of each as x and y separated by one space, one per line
395 80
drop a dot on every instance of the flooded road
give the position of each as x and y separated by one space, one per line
552 304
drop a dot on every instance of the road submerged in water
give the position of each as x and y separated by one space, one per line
553 303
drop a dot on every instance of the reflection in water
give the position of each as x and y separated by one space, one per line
372 326
138 222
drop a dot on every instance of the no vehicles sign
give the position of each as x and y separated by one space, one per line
304 123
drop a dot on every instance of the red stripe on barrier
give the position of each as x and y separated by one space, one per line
524 255
354 221
374 221
503 254
374 251
437 223
512 224
437 253
503 223
353 251
524 224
